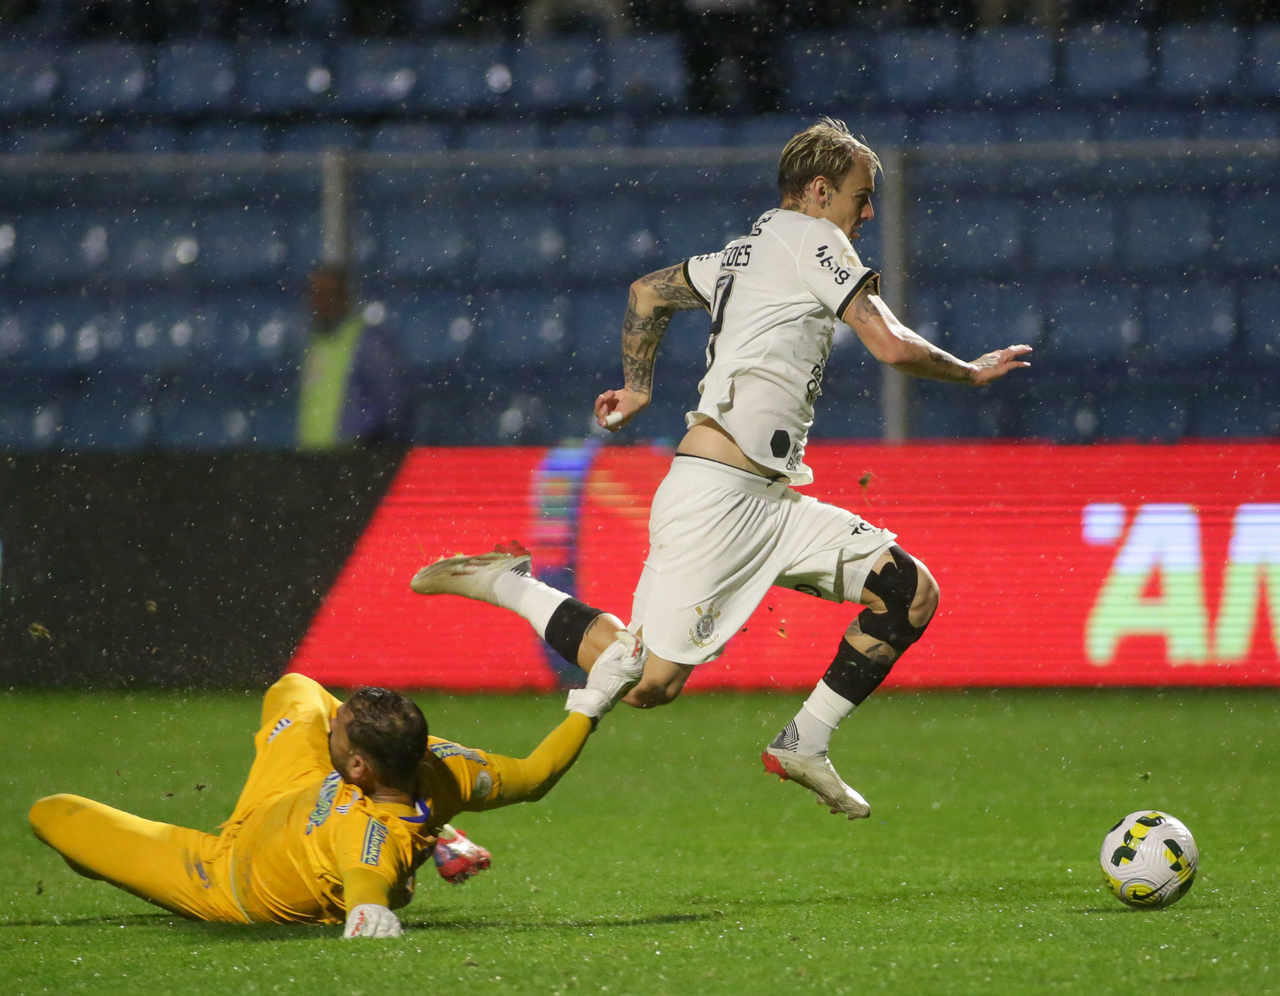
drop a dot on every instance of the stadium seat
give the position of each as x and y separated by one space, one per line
150 243
211 414
971 317
30 79
427 17
109 414
646 72
245 245
163 333
434 417
850 406
1251 231
685 131
380 77
195 78
920 66
1010 66
595 334
557 74
611 240
1090 325
1062 409
967 234
1243 407
1105 60
945 411
524 242
61 246
317 136
596 132
30 415
434 330
1189 326
432 241
1036 172
1240 123
935 166
523 330
1261 77
257 335
220 136
391 183
1260 330
59 335
1164 230
1073 232
38 140
1199 60
826 69
103 77
690 225
466 76
1147 413
284 77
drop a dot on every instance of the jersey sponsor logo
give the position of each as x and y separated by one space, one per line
280 727
839 272
324 801
445 749
375 835
704 629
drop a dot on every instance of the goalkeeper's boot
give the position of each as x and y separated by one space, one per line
815 773
472 577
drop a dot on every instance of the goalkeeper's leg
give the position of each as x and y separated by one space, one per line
173 867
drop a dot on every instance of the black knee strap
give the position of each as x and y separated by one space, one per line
896 586
567 626
853 675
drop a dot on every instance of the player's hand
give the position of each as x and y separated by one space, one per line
614 409
458 857
372 920
995 364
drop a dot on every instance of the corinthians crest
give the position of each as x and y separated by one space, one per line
705 628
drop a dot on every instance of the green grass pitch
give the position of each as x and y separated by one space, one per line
667 862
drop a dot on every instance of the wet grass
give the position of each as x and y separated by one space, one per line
667 863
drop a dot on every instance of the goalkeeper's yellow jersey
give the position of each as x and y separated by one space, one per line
305 846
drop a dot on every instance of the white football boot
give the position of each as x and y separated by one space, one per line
472 576
815 773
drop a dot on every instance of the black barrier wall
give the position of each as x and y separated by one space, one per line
172 570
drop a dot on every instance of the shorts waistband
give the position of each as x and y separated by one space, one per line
735 477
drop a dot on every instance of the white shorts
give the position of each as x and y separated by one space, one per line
719 537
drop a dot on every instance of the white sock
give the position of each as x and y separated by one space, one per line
526 596
818 718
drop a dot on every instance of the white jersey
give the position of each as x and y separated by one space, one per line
774 295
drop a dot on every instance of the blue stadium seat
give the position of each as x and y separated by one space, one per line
1198 60
1260 324
936 167
850 406
59 335
1062 409
968 234
827 69
1010 66
1239 123
434 420
395 183
380 77
611 240
526 242
435 331
163 333
1147 413
646 72
526 329
971 317
409 137
243 246
1165 230
1129 124
1035 172
920 66
596 132
195 78
432 242
1188 326
501 167
1251 230
284 77
960 127
595 325
137 137
945 411
557 74
427 16
30 79
30 415
108 413
257 335
151 243
466 76
104 77
42 139
61 246
1090 325
213 414
1262 63
1244 407
1105 60
1073 233
690 225
221 136
684 131
317 136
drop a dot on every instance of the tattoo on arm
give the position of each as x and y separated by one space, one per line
642 333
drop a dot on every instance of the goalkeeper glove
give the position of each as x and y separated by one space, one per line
458 857
372 920
619 666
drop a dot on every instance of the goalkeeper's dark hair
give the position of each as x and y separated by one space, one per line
390 731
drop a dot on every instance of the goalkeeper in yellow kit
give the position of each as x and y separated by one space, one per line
344 801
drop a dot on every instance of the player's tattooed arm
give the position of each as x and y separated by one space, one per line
891 342
652 301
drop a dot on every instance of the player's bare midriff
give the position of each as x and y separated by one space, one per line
709 440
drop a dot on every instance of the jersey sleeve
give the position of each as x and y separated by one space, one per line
486 780
296 695
701 272
372 859
831 269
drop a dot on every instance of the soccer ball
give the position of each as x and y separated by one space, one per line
1149 859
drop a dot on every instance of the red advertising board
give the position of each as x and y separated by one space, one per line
1101 565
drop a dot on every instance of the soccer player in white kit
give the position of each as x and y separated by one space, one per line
727 523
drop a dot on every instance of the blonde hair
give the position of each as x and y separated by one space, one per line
826 148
